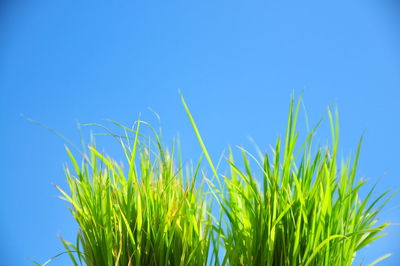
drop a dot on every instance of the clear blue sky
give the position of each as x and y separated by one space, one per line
236 62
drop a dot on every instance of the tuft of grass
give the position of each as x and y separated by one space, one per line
303 207
151 213
295 205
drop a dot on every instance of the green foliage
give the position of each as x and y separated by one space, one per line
148 214
295 205
307 211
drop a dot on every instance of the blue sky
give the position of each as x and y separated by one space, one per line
236 62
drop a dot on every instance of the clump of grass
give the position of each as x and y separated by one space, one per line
298 206
151 213
307 210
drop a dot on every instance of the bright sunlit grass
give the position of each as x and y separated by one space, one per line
149 213
302 209
295 205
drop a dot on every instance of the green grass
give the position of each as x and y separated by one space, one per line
150 213
307 210
295 205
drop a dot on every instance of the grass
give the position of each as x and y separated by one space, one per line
307 210
148 214
295 205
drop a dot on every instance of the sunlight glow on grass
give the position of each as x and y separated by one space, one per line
295 205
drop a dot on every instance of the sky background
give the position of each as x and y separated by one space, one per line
236 62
